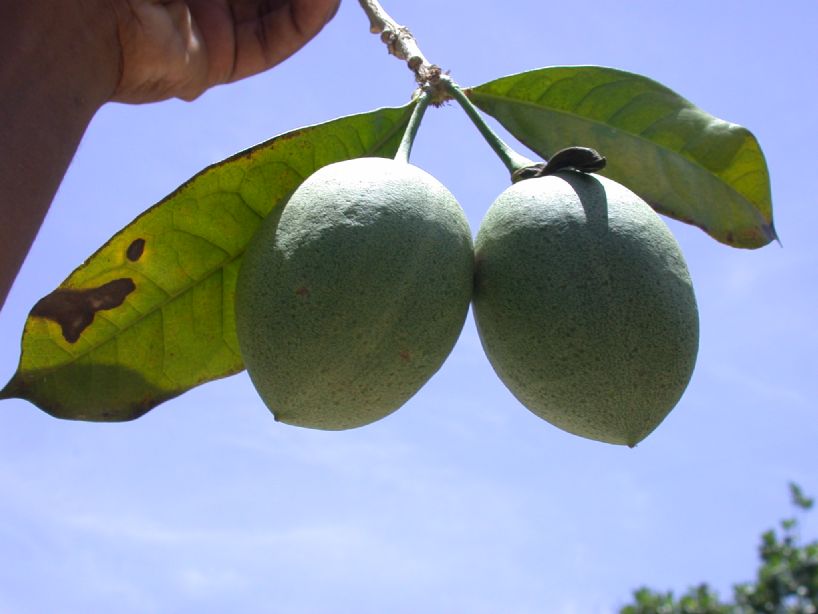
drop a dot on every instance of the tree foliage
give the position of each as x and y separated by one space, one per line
786 581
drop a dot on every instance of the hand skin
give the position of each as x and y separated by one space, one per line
62 60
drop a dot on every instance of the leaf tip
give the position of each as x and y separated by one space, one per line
772 235
9 391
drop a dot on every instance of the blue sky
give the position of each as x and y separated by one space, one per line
462 501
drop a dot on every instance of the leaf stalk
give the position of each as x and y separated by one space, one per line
405 147
512 160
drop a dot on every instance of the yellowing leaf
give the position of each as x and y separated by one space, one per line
150 314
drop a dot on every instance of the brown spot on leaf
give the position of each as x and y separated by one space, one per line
303 292
729 237
74 310
135 250
405 355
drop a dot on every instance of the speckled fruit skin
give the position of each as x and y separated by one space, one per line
584 305
350 298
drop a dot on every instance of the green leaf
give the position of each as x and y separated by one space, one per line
799 499
686 163
150 314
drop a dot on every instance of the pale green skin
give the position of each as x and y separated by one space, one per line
352 300
584 305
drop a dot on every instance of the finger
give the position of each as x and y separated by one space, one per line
270 31
162 53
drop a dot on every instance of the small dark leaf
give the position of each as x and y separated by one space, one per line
583 159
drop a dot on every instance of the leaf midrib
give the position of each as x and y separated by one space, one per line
691 162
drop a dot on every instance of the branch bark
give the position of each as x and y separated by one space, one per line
400 43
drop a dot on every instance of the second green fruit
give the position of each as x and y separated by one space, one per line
585 306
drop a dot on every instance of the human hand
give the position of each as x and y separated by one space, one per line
63 60
180 48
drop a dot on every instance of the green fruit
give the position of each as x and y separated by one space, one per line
351 297
584 305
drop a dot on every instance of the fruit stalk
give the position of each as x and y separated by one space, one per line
400 42
409 135
512 160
